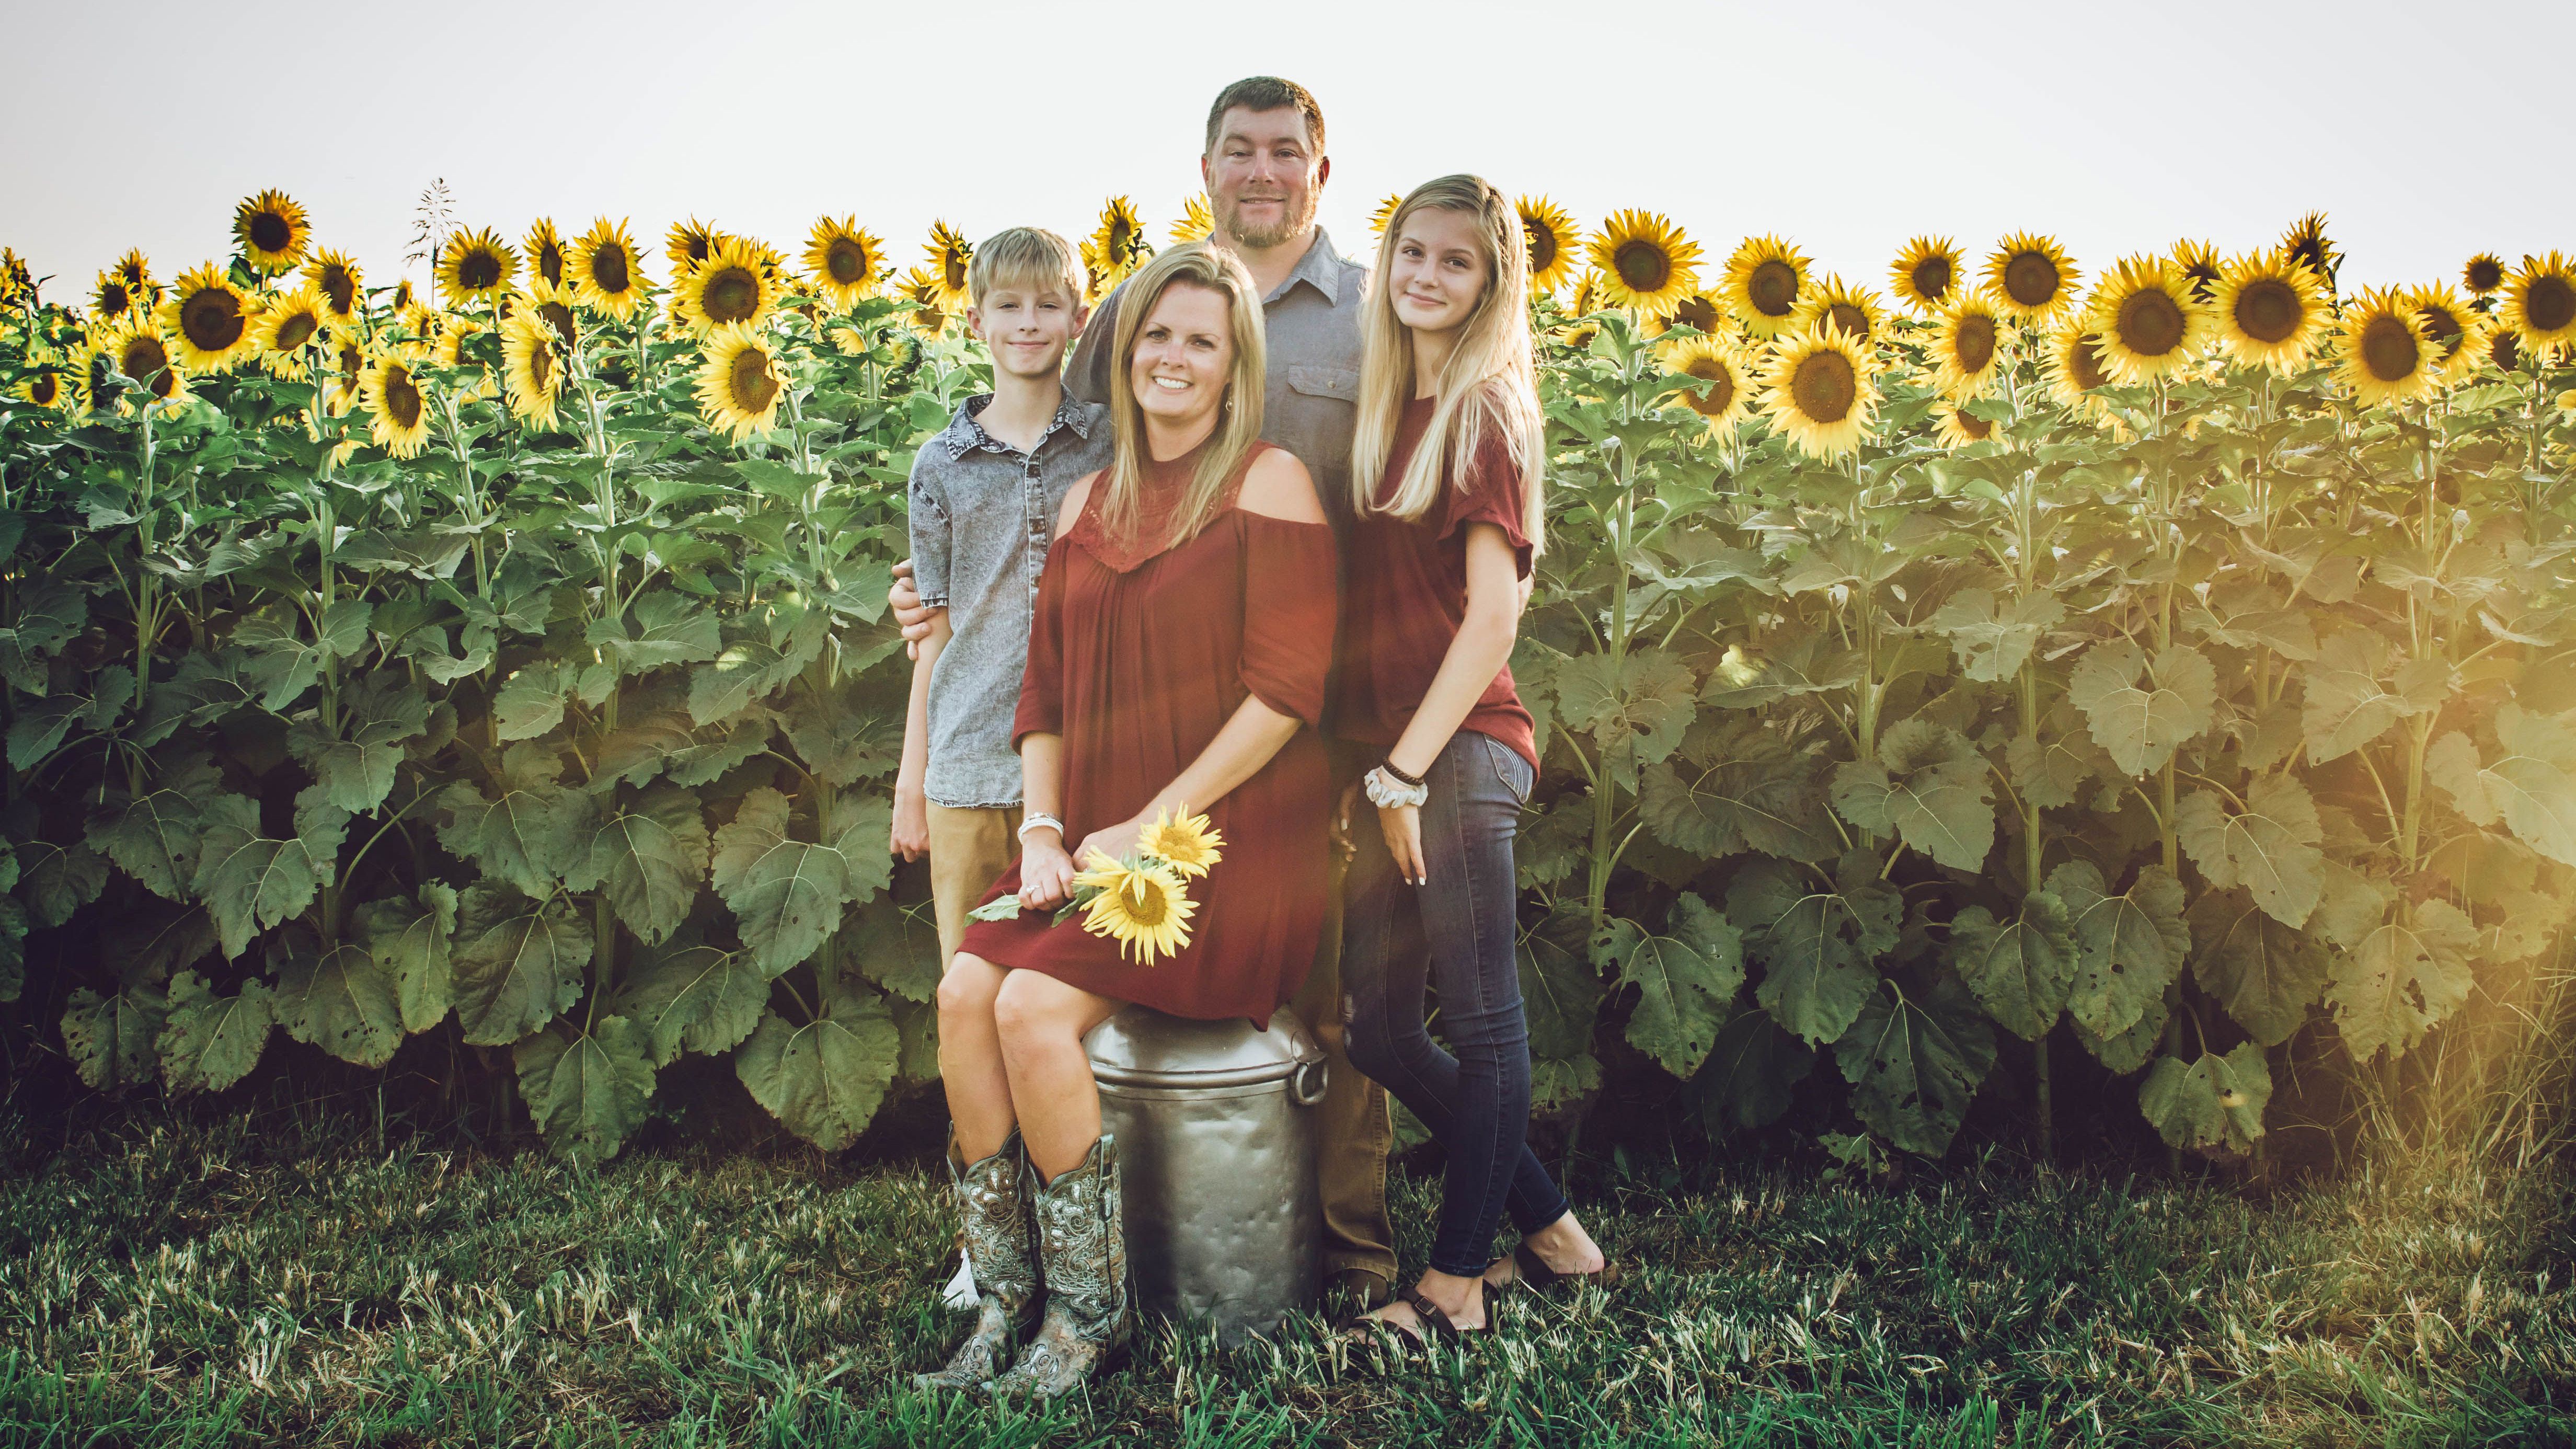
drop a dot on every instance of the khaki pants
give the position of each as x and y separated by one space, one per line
1355 1130
969 850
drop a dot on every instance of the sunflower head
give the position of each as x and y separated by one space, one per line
532 365
1957 427
1835 303
2308 245
2198 262
1550 234
1765 279
1195 223
476 264
1967 346
1645 262
286 329
1819 393
336 280
1696 312
2149 321
272 232
2077 369
348 365
2382 353
111 297
607 272
397 407
2483 274
1385 213
2457 331
2504 349
1577 333
208 319
843 261
730 286
547 258
1185 842
1145 909
1926 275
1721 365
2031 278
946 257
17 284
2271 311
741 381
135 270
553 306
1119 240
2540 302
689 243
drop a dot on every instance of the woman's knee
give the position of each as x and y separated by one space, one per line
968 988
1032 1008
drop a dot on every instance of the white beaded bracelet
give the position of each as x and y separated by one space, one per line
1040 822
1388 793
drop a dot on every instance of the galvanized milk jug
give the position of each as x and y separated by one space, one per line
1216 1153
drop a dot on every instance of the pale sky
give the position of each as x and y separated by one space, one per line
2426 131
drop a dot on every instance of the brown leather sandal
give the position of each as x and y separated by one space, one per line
1435 1324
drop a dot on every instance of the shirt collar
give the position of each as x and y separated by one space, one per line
964 433
1320 268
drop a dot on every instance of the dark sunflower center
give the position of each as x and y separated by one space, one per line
1696 312
1542 249
2550 302
1849 319
1825 386
608 270
953 270
1122 238
541 368
351 362
2483 274
2505 351
559 317
1643 267
479 270
296 330
144 360
846 262
2150 324
730 294
2030 278
699 244
402 397
2268 310
2445 329
2084 365
1720 394
1773 288
212 319
550 264
1931 278
340 287
269 231
749 381
2389 348
1972 425
114 300
44 389
1975 346
2204 280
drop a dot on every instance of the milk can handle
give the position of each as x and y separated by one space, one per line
1306 1086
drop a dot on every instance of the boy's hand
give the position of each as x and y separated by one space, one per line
1046 872
1341 826
910 837
905 600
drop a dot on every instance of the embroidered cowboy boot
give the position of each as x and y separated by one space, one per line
1082 1250
999 1252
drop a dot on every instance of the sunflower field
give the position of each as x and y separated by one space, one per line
1950 688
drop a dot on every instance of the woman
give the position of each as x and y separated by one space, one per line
1177 664
1445 480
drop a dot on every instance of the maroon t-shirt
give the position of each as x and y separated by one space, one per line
1406 594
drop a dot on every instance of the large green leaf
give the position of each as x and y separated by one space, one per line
250 882
896 946
2403 980
340 1000
2350 698
1815 943
668 628
1751 1072
56 880
530 834
2021 970
840 738
519 962
210 1042
530 703
2049 768
283 664
2531 786
2212 1106
2270 846
1914 1060
687 995
2126 1051
1735 785
1560 989
1993 643
413 941
2129 946
1929 786
112 1039
858 826
2265 973
156 836
825 1078
1635 708
786 895
2140 723
1684 978
649 856
355 765
587 1090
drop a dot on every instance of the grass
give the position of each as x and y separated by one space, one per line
181 1284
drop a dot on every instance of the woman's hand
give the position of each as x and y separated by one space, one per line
1115 841
1046 872
1403 827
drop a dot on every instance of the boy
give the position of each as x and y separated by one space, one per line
983 500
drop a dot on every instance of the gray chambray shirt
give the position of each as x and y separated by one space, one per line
1310 397
982 514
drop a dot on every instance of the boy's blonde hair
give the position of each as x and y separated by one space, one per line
1025 256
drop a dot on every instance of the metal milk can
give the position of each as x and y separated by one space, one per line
1216 1154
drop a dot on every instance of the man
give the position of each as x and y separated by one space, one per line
1264 168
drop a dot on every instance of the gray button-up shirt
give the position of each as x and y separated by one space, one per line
982 515
1310 398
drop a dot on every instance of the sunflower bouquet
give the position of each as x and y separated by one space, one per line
1142 901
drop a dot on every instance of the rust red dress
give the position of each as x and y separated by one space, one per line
1137 660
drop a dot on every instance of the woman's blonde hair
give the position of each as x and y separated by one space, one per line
1238 426
1489 381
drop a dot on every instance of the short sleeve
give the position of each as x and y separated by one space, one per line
1493 493
1289 609
926 523
1041 710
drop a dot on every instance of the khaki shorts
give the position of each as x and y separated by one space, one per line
969 850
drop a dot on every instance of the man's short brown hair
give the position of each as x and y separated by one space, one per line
1267 93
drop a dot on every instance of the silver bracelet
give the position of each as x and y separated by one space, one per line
1388 793
1039 822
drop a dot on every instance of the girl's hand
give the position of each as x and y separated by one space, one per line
1403 827
1115 841
1046 872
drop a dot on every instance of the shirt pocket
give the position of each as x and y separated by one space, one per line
1332 382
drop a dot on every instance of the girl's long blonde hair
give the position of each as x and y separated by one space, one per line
1489 382
1238 425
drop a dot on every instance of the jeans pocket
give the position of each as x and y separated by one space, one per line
1510 770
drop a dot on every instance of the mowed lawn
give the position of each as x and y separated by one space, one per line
265 1282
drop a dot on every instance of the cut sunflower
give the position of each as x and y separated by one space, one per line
2149 322
2458 332
476 265
741 381
844 261
1723 404
1763 282
546 256
607 273
1967 347
2381 351
2540 302
397 409
532 366
2483 275
1819 394
2198 261
1957 427
946 257
1145 909
208 321
1195 223
336 280
272 231
283 332
1925 276
1645 262
1837 304
2307 244
2271 311
2031 277
730 286
1185 842
1549 232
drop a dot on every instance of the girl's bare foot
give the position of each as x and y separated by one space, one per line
1563 1246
